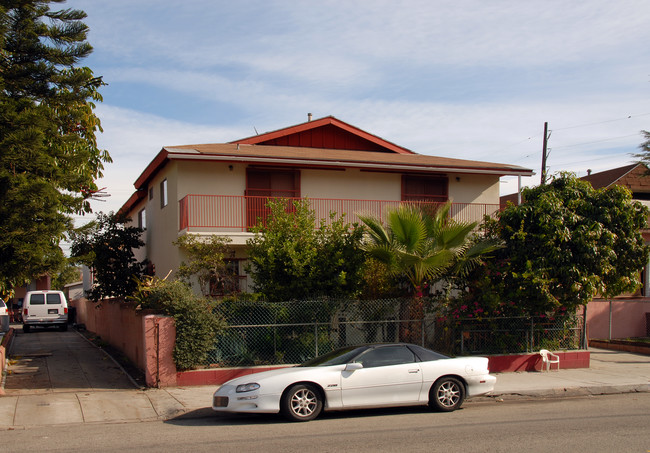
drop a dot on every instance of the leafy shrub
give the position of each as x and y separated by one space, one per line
197 325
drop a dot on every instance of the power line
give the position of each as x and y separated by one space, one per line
581 161
572 127
602 122
597 141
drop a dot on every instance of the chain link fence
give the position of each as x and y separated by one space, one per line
261 333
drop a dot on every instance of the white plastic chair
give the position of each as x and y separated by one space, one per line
549 358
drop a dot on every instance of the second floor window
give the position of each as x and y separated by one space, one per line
425 188
163 193
262 184
142 219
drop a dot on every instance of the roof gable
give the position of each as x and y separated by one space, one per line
608 177
325 133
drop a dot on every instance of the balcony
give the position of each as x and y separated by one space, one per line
232 213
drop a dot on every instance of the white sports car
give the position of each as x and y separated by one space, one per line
379 375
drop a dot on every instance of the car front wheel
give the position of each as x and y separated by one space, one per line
447 394
301 403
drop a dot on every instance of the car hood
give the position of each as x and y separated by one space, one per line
288 371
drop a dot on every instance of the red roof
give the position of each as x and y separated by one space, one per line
322 143
325 133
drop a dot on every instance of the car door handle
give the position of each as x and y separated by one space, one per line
414 371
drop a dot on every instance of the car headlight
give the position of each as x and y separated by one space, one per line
247 387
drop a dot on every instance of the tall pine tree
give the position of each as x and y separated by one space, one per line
49 159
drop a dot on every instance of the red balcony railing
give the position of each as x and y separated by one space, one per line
232 213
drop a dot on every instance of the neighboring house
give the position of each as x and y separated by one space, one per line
223 188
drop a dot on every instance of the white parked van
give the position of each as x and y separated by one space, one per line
45 308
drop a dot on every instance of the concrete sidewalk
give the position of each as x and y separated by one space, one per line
610 372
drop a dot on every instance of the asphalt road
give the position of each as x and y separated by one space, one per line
614 423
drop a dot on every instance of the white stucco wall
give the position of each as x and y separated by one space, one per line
350 184
223 178
468 188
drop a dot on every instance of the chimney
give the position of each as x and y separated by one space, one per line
589 172
308 117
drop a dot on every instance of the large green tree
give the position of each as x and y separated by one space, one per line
293 256
49 158
565 244
107 247
644 155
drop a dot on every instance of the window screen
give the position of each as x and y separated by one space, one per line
424 188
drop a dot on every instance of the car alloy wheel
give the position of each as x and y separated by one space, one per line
301 402
447 394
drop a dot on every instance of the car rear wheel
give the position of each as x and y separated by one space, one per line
447 394
301 403
25 328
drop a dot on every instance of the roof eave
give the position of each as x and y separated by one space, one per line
502 171
157 163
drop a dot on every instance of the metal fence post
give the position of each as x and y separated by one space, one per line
610 321
316 337
585 340
422 331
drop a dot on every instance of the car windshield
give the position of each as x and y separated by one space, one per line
336 357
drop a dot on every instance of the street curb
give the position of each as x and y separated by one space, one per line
191 414
207 412
567 392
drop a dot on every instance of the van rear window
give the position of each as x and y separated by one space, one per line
54 299
37 299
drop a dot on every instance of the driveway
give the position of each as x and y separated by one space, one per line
59 378
49 361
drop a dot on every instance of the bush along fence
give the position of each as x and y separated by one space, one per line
261 333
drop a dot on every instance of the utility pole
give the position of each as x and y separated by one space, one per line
544 153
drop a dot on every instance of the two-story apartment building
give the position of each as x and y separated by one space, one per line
223 188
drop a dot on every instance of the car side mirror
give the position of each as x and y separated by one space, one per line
352 366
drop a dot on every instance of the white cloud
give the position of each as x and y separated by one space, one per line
472 79
133 139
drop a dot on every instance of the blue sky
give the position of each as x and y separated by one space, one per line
468 79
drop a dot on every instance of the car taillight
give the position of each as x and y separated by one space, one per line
65 310
25 312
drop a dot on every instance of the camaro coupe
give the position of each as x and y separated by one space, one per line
378 375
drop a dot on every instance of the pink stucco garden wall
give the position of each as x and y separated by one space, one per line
628 318
5 346
146 339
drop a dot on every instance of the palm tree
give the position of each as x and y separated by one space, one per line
424 246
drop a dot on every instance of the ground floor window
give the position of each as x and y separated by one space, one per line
233 280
